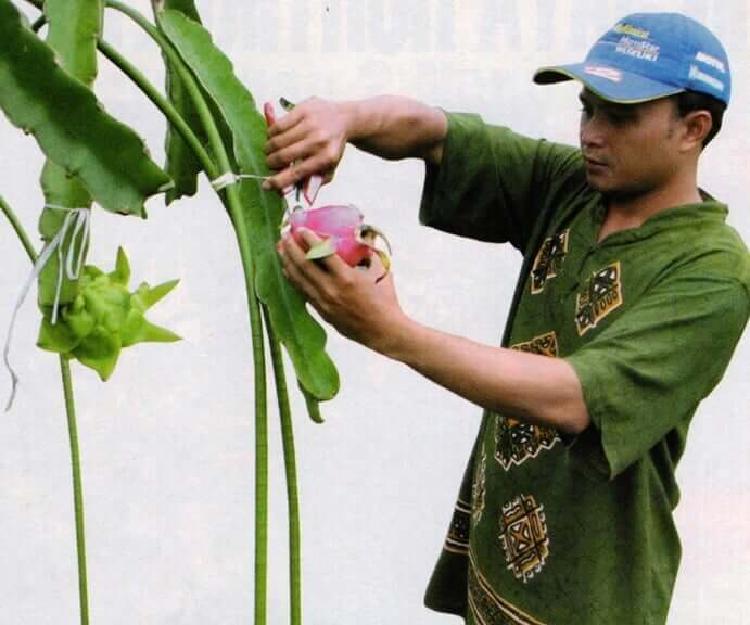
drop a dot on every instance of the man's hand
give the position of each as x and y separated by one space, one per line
537 389
354 300
311 138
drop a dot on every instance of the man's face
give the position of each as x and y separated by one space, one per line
629 149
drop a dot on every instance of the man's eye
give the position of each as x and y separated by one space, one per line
620 119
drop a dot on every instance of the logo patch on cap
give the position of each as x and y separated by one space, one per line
628 29
610 73
639 49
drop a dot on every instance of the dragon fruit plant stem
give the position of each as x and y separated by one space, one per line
164 105
72 39
18 229
70 413
199 78
231 195
261 411
259 366
290 471
77 489
232 199
233 202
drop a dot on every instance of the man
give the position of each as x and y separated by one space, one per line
631 299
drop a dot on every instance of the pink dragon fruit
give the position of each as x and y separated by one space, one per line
340 227
342 231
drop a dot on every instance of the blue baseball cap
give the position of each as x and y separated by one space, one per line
646 56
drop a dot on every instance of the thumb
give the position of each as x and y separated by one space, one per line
270 113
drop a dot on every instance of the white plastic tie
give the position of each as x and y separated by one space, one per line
223 181
80 219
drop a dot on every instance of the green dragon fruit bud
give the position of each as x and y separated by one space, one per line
104 317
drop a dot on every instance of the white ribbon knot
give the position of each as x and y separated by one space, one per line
80 221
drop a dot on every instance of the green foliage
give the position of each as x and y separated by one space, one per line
73 28
104 317
91 156
69 124
181 164
262 211
183 6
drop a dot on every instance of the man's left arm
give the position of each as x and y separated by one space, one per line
530 387
534 388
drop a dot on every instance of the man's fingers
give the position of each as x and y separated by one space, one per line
317 273
283 180
298 170
333 263
300 146
285 122
294 272
292 153
270 113
278 143
295 256
286 177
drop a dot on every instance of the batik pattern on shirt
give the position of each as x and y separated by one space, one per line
517 441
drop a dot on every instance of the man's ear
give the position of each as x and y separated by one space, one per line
697 126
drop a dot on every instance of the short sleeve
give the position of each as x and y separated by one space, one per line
646 373
492 183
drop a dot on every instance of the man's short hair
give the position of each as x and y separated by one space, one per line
689 101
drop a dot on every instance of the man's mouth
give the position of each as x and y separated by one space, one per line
594 162
595 166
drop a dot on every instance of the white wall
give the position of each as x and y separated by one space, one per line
167 442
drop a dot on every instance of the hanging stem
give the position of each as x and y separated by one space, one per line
232 200
261 410
72 436
196 96
144 23
18 229
290 471
261 453
162 103
230 197
71 419
77 490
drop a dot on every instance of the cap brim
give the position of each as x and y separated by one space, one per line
608 83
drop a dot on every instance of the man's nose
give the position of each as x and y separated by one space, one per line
592 131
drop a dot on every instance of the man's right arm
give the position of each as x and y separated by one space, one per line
396 127
313 135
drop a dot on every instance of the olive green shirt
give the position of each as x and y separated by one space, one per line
553 529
